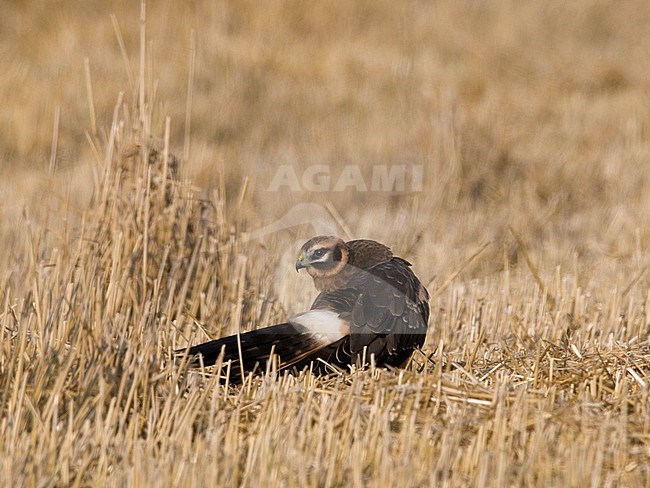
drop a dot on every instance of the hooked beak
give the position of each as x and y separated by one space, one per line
301 263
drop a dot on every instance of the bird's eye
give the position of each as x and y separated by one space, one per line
319 253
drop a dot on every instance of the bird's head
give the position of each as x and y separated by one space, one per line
323 256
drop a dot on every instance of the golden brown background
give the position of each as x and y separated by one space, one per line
532 123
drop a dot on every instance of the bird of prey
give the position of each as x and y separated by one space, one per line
370 304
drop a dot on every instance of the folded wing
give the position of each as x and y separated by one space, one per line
389 318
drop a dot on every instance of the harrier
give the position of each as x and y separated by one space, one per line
370 304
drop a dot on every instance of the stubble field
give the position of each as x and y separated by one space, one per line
158 176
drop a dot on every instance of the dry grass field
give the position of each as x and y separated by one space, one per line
138 214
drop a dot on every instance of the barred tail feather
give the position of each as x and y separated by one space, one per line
293 342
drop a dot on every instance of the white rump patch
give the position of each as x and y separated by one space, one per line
326 325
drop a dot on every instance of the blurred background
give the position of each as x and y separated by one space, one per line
530 120
521 130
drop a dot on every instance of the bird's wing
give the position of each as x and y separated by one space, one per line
389 318
341 300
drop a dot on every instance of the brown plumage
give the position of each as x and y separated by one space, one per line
370 303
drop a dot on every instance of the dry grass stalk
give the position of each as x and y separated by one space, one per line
536 371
